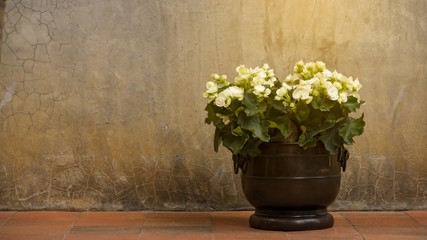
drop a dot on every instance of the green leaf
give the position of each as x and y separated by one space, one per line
253 107
282 123
234 143
238 110
211 114
278 105
258 126
352 104
323 104
217 139
331 139
302 111
350 128
235 104
311 143
305 138
334 114
237 131
251 148
219 123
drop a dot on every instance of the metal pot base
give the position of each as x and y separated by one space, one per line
291 222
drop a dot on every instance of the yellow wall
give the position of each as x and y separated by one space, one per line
102 108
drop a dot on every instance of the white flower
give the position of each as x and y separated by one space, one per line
302 92
292 79
223 99
220 101
261 91
314 81
241 70
236 92
212 87
331 91
343 97
262 74
356 85
259 88
327 73
355 94
226 93
281 91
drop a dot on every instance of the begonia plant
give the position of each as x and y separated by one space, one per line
309 106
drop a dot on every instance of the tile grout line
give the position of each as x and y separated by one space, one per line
72 225
212 226
142 225
8 219
404 212
352 225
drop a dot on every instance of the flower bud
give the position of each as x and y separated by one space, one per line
300 64
265 66
215 76
311 66
320 66
338 85
315 93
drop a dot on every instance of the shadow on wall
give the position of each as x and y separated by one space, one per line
2 6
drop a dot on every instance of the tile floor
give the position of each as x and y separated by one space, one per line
47 225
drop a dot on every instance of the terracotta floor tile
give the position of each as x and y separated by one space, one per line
242 236
393 233
46 215
174 237
3 221
103 237
37 226
380 219
110 219
105 230
31 236
177 232
34 229
39 222
340 220
419 216
29 224
7 214
104 233
408 225
231 218
334 233
238 223
177 219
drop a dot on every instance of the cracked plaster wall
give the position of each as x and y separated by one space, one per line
101 104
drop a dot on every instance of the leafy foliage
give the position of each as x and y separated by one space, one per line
311 105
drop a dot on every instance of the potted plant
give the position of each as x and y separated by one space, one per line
287 136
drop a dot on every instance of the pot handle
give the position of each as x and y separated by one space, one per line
343 156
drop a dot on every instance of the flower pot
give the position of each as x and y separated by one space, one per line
290 187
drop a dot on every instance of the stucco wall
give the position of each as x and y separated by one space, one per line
102 108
